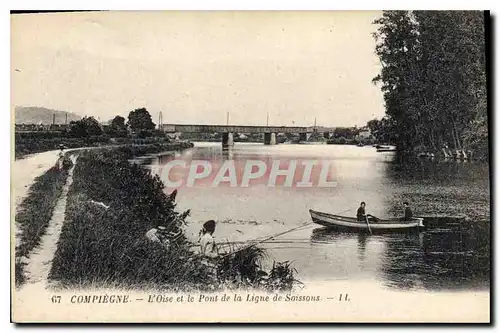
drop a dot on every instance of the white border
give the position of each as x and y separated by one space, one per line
182 5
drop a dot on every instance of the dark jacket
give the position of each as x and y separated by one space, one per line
408 214
360 215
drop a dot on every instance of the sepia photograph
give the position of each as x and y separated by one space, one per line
251 166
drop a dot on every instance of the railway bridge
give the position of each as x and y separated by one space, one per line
228 130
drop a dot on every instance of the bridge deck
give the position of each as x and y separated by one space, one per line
171 128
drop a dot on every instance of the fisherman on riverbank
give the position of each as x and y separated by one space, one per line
208 247
158 235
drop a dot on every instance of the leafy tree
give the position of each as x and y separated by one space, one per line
433 78
85 127
118 127
345 132
140 120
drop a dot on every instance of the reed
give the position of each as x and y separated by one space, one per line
245 268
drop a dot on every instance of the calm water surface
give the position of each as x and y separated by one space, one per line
452 253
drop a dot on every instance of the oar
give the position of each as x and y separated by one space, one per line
368 224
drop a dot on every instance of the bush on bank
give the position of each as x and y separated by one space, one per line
35 212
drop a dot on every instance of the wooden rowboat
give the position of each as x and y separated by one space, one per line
385 149
351 223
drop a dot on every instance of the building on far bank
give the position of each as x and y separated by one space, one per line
364 134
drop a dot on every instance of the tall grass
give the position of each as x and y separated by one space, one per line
244 268
108 246
35 212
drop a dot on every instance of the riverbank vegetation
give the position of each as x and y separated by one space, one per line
111 205
35 211
433 79
88 132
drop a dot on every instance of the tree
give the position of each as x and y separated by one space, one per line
140 120
118 127
345 132
87 126
433 78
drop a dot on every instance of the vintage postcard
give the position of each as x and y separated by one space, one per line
250 166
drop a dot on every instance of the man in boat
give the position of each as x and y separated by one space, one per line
408 213
362 216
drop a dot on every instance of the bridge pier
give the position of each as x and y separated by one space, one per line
227 139
303 137
326 135
269 138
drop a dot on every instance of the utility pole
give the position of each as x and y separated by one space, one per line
66 121
53 118
160 120
227 118
267 122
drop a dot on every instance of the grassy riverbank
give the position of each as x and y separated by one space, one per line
36 142
105 245
35 212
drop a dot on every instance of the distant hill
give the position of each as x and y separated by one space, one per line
37 115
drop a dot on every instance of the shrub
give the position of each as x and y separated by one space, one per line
244 269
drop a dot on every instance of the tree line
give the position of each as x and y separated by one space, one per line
433 80
139 122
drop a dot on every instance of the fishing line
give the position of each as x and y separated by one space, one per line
259 241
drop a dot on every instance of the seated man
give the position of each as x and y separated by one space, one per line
362 216
408 213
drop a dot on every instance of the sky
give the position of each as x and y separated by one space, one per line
195 67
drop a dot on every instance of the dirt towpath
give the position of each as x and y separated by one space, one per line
40 260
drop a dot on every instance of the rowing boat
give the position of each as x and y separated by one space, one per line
351 223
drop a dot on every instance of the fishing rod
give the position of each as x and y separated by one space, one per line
274 236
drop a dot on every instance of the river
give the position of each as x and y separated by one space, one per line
453 253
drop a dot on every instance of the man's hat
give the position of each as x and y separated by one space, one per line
209 226
162 228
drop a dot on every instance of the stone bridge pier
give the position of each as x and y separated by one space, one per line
227 139
269 138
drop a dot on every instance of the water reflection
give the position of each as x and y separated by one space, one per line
442 188
362 239
450 254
